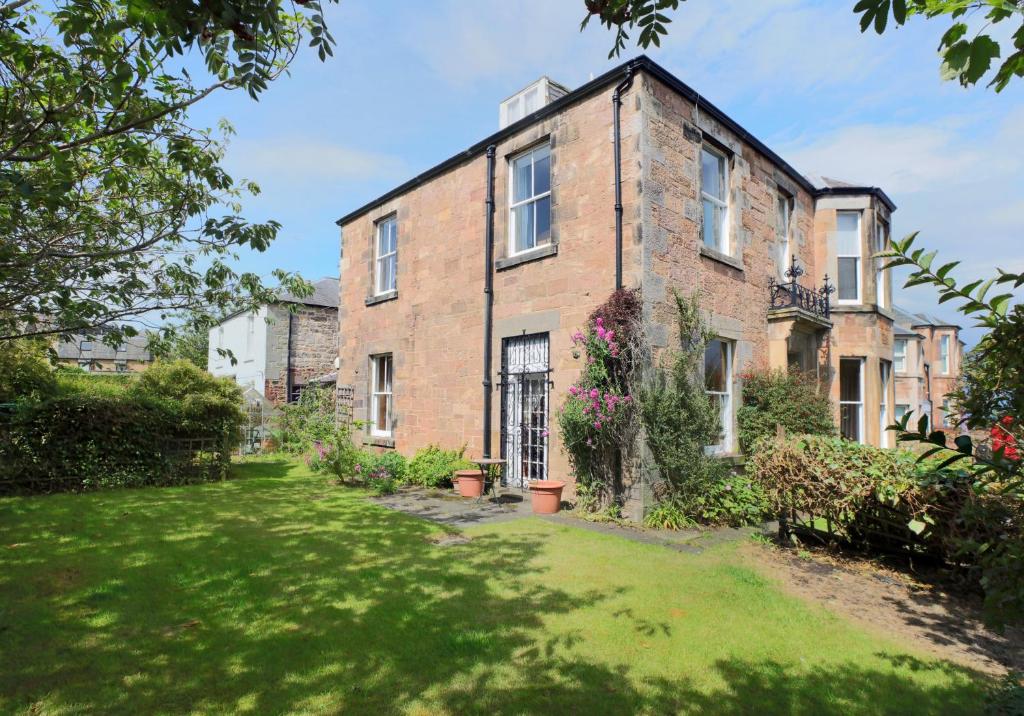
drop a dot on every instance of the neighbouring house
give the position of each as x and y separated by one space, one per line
93 355
927 355
281 348
462 288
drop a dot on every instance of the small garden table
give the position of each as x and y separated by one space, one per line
485 463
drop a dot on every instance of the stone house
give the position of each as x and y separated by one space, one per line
928 354
462 288
283 347
92 354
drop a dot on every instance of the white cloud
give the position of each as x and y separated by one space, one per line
295 158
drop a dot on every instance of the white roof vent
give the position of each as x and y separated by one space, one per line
529 99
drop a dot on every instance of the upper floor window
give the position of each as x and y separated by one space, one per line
718 384
714 190
380 395
85 345
848 256
386 262
783 217
530 208
944 354
881 243
899 355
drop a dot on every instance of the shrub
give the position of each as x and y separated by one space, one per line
433 467
382 486
311 418
25 371
668 516
83 440
679 419
776 397
391 464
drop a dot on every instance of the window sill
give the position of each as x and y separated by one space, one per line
730 261
382 297
534 254
379 441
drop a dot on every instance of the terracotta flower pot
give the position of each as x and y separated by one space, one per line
546 496
469 482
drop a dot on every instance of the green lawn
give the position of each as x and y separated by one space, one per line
277 592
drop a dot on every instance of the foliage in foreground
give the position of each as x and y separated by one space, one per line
966 56
889 500
434 466
112 205
776 397
124 433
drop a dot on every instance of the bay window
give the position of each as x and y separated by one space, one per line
783 217
881 243
714 189
944 355
848 256
884 375
530 207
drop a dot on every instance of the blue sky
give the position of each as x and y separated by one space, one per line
412 83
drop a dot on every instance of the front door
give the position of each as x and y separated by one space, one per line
524 408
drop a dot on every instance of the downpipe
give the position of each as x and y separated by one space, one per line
488 297
620 89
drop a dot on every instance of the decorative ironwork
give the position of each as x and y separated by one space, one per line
524 388
790 294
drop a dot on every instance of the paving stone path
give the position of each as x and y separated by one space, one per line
447 508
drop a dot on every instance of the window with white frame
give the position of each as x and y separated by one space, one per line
851 398
848 256
884 375
718 384
881 243
386 256
947 413
901 410
530 209
783 217
714 190
899 355
944 354
380 395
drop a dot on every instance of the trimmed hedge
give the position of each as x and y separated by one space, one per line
173 425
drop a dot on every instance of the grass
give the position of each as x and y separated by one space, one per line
277 592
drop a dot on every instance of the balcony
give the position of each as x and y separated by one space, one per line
792 297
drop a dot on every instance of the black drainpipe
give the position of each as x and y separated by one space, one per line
626 83
488 295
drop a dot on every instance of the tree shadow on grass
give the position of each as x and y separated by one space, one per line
274 595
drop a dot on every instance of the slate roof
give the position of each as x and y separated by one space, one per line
325 293
133 348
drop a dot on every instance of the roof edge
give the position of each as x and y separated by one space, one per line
856 191
639 63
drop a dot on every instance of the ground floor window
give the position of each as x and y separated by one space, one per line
884 374
380 395
851 398
718 384
947 413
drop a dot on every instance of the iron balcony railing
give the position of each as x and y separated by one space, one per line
790 294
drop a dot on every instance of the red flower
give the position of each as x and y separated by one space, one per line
1003 439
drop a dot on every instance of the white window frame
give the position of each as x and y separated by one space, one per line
725 445
725 245
859 256
899 356
944 354
947 408
385 360
858 403
390 256
885 369
901 410
881 242
513 205
782 199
